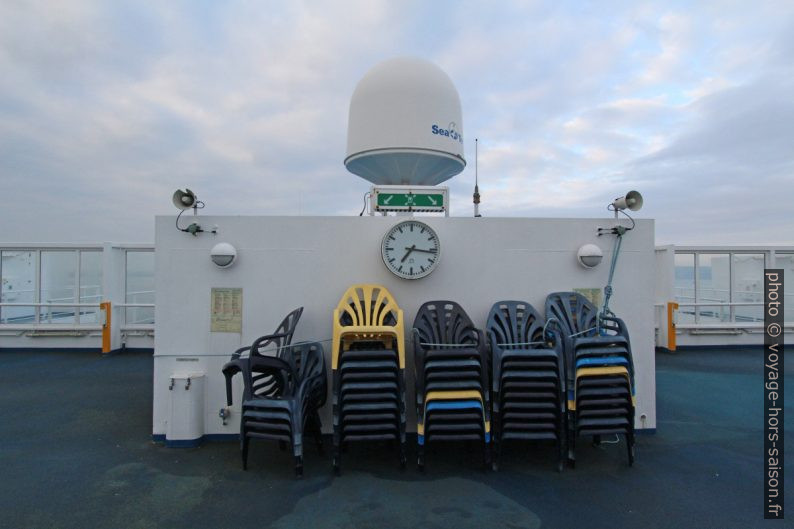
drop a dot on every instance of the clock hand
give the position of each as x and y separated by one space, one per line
426 251
411 249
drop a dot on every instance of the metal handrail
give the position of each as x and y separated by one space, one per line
723 304
31 304
715 326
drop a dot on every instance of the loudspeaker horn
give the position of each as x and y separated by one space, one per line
184 199
632 201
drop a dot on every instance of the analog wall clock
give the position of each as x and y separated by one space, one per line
411 249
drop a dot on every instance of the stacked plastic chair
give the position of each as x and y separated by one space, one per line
283 392
528 378
368 363
451 365
273 343
599 370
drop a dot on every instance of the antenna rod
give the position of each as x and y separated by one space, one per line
476 182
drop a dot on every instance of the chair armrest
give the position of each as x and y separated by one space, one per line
230 369
482 344
238 353
264 341
622 329
565 344
417 340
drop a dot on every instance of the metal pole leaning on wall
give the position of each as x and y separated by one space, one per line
672 306
105 308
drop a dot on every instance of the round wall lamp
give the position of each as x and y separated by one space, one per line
223 254
589 255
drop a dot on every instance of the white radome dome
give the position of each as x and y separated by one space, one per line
405 125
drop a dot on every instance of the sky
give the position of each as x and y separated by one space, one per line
107 107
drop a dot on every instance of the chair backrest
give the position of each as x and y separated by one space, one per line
288 324
274 344
514 325
367 306
444 324
308 361
367 312
574 312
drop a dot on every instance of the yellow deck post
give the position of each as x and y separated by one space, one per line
672 306
105 307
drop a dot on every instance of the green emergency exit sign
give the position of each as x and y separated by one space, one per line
423 200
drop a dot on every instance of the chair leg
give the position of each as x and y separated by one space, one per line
571 440
297 451
337 441
318 434
298 467
403 442
630 447
495 439
244 451
572 449
497 452
336 461
562 447
282 445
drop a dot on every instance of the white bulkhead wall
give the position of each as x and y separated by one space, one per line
287 262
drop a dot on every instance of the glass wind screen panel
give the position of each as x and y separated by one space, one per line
90 284
140 287
18 271
786 262
685 285
713 286
58 276
748 286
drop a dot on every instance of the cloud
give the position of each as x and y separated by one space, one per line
106 108
731 170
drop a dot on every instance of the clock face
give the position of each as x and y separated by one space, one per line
411 249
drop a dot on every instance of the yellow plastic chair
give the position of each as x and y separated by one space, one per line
368 306
452 396
600 371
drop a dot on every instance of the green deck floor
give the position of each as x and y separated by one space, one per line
76 451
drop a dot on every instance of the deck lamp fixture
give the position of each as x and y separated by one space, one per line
223 255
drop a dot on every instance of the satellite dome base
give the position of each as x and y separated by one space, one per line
424 167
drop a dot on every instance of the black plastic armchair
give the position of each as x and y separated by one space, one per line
282 397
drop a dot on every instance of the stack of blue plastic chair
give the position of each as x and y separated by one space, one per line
451 367
528 378
599 370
